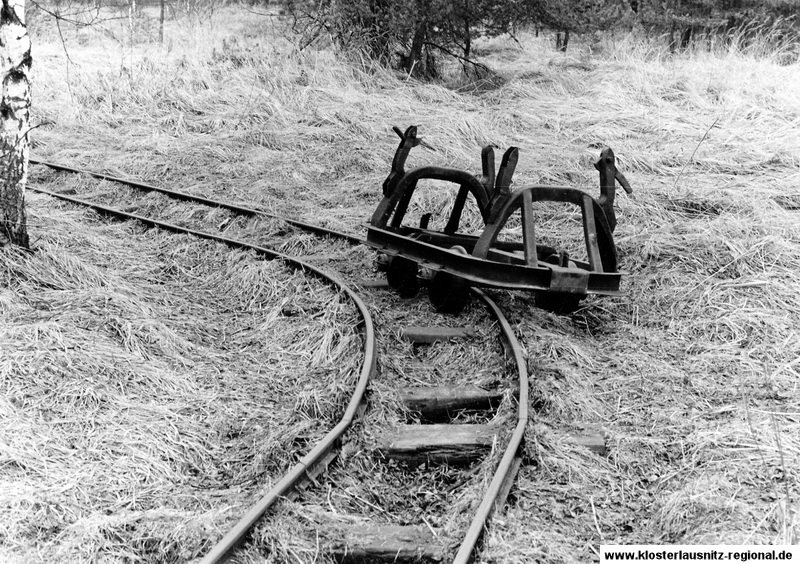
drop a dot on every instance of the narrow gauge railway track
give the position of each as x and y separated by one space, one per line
428 445
187 197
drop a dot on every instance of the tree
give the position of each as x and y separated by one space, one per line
410 34
683 20
578 16
15 103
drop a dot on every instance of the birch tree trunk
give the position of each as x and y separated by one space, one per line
15 104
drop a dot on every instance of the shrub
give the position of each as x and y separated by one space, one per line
410 34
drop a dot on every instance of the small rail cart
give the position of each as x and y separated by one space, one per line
451 262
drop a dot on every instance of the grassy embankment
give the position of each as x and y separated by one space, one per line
115 443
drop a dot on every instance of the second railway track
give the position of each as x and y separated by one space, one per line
458 409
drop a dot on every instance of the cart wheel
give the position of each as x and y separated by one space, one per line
558 302
401 273
449 293
382 262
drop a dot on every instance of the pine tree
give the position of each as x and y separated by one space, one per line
686 19
578 16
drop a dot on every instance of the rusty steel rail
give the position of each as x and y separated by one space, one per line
187 197
322 453
506 471
368 369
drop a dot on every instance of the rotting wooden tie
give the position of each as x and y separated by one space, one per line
385 543
437 444
420 335
443 402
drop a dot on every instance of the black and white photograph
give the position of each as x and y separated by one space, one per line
399 281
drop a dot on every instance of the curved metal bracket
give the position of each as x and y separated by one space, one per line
597 233
398 199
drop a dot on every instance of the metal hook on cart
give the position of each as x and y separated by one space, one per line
607 166
408 140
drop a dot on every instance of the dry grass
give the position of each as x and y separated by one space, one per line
152 383
693 374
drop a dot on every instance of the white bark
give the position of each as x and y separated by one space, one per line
15 103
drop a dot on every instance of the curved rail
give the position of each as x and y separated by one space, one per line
507 469
510 461
327 444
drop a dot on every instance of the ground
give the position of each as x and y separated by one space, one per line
132 387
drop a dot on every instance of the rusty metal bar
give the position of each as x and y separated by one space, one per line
507 465
528 229
458 209
490 273
590 234
185 196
